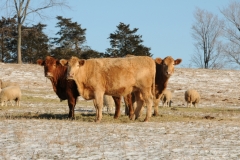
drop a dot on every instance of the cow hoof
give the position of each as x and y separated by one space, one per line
155 114
97 121
145 120
115 117
131 117
71 118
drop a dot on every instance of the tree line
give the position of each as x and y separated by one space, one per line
217 40
69 41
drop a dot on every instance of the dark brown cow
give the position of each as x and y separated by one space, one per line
164 70
66 89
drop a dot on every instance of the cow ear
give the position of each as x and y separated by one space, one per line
177 61
40 62
63 62
158 60
81 62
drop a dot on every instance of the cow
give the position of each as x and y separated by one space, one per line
66 89
114 76
164 70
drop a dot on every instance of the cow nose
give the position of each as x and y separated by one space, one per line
71 74
48 75
169 73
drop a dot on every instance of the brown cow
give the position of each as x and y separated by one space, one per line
164 69
116 77
65 89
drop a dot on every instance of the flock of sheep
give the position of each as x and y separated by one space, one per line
11 91
191 96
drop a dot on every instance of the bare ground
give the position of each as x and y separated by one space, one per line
39 130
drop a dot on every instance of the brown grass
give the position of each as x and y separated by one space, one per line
174 114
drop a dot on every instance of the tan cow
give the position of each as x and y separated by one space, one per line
164 70
116 77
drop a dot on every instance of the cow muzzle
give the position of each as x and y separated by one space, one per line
48 75
168 74
69 77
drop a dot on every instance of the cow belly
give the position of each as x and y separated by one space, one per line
121 91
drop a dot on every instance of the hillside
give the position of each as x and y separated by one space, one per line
218 88
39 128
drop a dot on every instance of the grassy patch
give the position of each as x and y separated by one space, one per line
177 114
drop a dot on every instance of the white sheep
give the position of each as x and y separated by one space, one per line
10 93
166 98
108 102
4 84
192 97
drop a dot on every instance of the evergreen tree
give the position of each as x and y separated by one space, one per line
125 41
8 43
34 43
72 36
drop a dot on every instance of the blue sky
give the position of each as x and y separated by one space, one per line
165 25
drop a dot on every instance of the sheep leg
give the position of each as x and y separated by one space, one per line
11 103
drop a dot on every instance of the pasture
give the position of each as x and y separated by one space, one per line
40 129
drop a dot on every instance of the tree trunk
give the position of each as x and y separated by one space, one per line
19 43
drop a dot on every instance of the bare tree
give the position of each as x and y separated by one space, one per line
22 9
231 48
206 32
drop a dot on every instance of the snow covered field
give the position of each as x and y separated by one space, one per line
216 137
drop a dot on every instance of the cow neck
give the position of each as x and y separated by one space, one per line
82 81
59 78
161 80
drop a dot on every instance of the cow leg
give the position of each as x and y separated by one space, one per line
156 103
71 104
131 100
126 101
129 110
95 105
139 104
117 101
98 106
148 100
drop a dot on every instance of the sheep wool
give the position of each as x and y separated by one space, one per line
192 97
108 102
166 98
10 93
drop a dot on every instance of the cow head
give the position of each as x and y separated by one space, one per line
50 64
166 65
73 65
